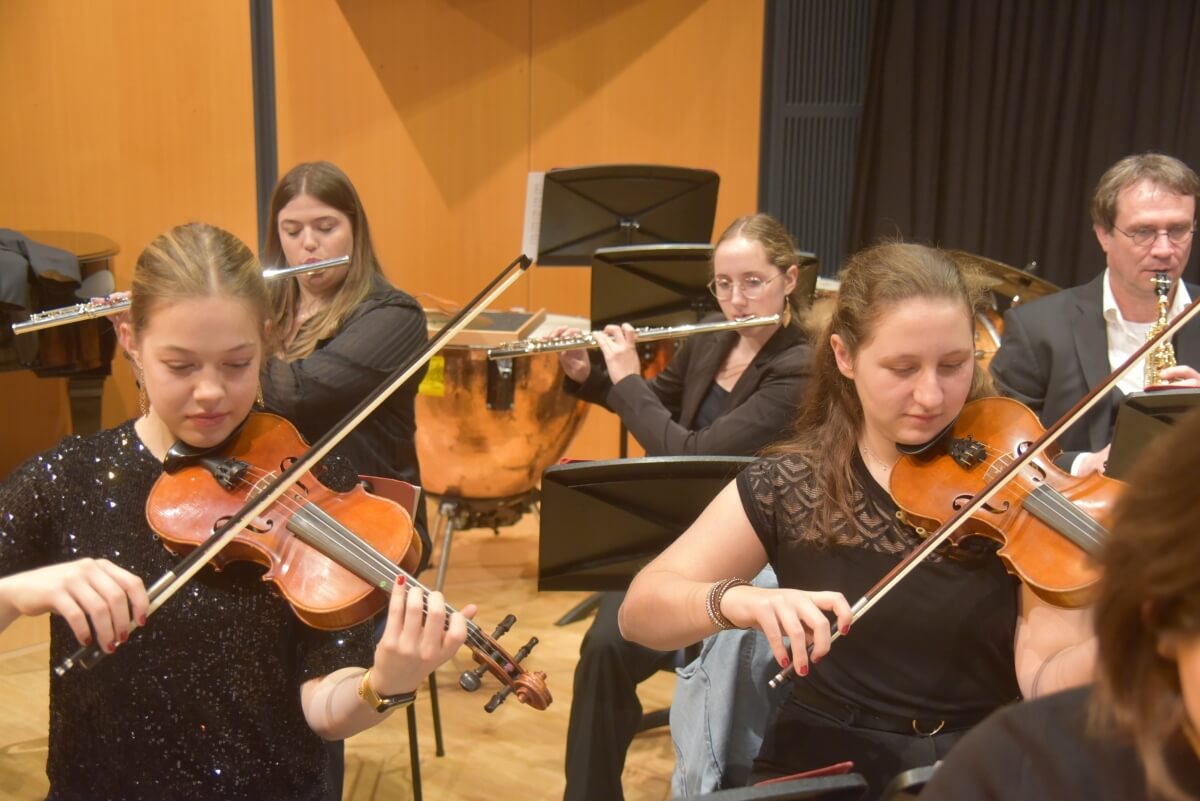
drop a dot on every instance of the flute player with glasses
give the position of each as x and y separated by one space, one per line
724 393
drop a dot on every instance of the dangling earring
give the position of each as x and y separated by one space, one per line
143 398
258 397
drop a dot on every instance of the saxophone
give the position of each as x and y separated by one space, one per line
1162 355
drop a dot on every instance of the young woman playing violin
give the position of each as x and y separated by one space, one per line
224 694
957 639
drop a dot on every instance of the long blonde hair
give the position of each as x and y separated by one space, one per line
831 416
329 185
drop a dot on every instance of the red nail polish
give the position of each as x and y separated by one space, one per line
783 663
142 620
803 670
87 640
124 636
846 629
112 646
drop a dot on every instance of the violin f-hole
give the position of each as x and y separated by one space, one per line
962 500
1039 472
270 524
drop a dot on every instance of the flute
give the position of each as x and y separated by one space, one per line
530 347
105 307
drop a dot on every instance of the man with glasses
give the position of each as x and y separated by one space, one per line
1055 349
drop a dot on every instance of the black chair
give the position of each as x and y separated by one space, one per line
907 786
846 787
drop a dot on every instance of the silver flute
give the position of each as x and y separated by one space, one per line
530 347
105 307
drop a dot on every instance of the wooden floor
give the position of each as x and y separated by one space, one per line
514 753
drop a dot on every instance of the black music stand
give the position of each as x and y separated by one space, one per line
585 208
667 284
1141 417
603 521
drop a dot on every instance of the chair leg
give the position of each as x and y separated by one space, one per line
580 610
438 746
414 752
445 515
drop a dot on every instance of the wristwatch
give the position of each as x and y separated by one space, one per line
382 703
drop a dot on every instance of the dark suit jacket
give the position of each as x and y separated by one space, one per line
1055 349
758 411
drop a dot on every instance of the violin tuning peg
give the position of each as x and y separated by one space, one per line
497 699
472 680
504 626
526 649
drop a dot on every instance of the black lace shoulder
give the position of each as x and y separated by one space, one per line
783 493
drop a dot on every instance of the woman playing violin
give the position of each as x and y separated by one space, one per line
957 639
224 694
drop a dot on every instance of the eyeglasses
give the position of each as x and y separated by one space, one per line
1145 235
751 286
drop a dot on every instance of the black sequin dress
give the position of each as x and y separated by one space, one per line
204 702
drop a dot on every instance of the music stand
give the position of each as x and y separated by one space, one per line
585 208
603 521
667 284
1141 417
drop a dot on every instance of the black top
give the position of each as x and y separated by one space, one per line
662 413
939 645
377 337
1043 750
204 702
315 392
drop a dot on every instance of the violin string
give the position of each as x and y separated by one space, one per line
366 554
1087 531
1085 526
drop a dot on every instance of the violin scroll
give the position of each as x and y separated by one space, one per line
530 686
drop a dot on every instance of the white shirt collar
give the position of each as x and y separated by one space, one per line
1112 313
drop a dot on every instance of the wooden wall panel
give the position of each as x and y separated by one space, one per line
138 116
437 110
121 117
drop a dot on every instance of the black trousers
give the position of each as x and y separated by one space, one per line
605 711
804 739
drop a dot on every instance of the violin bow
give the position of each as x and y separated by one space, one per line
957 520
175 579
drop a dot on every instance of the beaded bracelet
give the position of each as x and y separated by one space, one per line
715 593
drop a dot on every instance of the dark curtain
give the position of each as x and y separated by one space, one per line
988 122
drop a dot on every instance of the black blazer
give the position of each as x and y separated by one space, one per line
758 410
1055 349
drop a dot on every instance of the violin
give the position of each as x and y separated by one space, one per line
270 487
333 556
1049 523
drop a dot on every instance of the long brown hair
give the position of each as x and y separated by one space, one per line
195 260
1150 592
831 416
328 184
